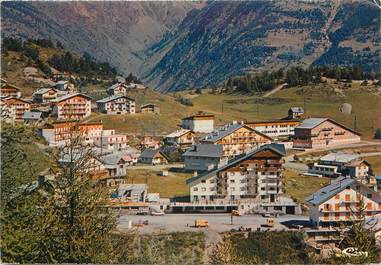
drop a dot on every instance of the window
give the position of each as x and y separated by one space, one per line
337 207
232 181
369 206
337 197
195 189
203 181
347 197
203 189
369 196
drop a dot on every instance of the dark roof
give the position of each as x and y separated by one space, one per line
150 153
313 122
205 150
113 97
70 96
277 148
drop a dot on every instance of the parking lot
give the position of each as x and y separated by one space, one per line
217 222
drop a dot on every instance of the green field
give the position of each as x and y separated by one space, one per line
169 186
375 161
299 187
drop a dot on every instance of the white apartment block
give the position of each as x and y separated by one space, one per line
199 123
116 104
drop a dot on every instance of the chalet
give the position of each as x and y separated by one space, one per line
256 175
236 138
153 157
149 142
44 95
116 104
323 132
202 123
109 140
72 106
33 118
338 202
295 113
150 108
115 164
64 85
135 86
8 90
275 129
204 157
340 164
16 106
117 89
180 138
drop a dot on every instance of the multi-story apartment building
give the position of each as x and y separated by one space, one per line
72 106
44 95
8 90
323 132
116 104
202 123
236 138
109 140
59 132
340 200
182 138
275 129
256 175
16 107
204 157
340 164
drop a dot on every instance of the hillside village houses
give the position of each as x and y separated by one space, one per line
15 107
275 129
153 157
340 164
236 138
181 138
323 132
149 142
64 85
256 176
334 203
117 89
150 108
8 90
201 123
204 157
116 104
72 106
33 117
295 113
109 140
44 95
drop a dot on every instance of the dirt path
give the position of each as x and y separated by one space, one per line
269 93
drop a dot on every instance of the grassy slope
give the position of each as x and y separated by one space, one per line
375 161
299 187
168 186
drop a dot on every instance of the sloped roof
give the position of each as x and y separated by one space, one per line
43 91
114 86
311 123
70 96
205 150
177 133
148 105
112 159
113 97
225 130
32 115
150 153
330 190
277 148
296 109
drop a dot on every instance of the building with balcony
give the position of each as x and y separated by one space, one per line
117 89
236 138
16 107
181 138
255 175
339 201
314 133
116 104
202 123
275 129
204 157
109 140
8 90
45 95
153 157
72 106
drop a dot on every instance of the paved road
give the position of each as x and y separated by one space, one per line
217 222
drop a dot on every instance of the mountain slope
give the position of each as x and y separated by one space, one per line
227 38
116 32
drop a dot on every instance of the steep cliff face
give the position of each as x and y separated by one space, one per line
180 45
116 32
